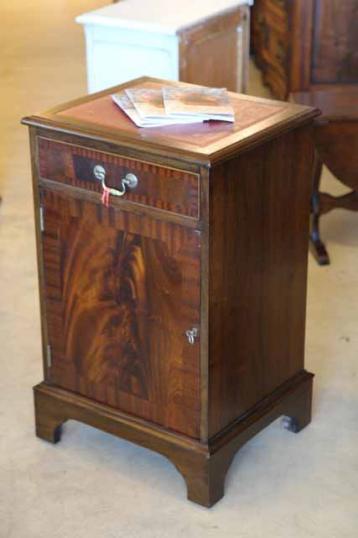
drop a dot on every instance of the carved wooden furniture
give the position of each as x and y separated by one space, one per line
203 42
336 138
175 316
305 44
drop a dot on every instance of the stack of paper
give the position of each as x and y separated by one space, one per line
172 105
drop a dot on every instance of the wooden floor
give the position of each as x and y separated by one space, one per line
94 485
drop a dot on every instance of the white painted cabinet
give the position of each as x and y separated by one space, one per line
198 41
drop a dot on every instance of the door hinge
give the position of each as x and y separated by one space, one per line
48 356
42 222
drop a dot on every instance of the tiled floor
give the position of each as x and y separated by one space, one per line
94 485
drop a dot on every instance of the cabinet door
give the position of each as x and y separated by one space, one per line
120 291
335 42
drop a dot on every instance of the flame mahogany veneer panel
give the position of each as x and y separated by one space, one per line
120 292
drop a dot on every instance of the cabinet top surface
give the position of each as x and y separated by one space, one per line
156 15
97 117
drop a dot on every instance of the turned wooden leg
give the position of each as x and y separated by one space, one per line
48 421
317 246
299 412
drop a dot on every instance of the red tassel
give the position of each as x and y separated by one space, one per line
105 195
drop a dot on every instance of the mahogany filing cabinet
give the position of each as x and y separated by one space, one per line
173 315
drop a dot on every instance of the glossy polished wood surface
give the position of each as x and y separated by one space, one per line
96 117
182 333
161 187
120 293
260 216
203 466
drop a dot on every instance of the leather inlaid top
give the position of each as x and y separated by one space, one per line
108 114
98 116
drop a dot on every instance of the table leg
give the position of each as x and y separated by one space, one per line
318 248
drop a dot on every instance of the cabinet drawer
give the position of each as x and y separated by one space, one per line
165 188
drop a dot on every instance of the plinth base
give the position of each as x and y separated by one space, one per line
203 465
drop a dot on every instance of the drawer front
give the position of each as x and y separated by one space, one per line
160 187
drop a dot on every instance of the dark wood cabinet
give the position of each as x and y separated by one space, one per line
305 44
173 315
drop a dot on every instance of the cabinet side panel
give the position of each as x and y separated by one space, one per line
209 51
259 216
